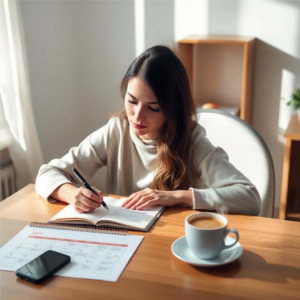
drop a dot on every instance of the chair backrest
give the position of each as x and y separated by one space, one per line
246 149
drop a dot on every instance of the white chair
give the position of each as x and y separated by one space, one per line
246 149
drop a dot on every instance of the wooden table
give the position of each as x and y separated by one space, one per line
290 188
268 269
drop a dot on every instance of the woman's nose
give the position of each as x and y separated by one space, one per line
139 112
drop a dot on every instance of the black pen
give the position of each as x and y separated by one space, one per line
83 181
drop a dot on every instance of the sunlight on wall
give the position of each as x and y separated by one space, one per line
276 23
139 14
285 112
191 17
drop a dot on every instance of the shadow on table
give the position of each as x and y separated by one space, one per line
252 265
36 286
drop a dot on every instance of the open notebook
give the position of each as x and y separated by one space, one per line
116 217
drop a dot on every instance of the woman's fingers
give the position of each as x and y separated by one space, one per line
100 194
82 208
133 198
128 199
86 200
142 199
137 201
141 205
91 196
149 197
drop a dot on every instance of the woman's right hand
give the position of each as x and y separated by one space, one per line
82 199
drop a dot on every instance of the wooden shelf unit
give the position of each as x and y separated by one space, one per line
290 188
220 70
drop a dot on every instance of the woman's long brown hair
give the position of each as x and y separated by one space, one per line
164 73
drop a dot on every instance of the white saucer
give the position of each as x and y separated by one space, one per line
181 250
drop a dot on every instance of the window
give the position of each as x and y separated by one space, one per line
5 134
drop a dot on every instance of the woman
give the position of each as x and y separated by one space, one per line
154 150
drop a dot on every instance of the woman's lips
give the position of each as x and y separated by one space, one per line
138 126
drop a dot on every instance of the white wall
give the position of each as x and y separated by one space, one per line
78 52
191 17
159 23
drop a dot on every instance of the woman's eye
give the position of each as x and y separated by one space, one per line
151 108
132 102
154 109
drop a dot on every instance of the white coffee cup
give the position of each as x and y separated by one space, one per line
207 243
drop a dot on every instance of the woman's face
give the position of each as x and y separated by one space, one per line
142 109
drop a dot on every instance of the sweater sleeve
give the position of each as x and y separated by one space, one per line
88 157
225 189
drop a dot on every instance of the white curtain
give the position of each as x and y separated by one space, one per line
24 147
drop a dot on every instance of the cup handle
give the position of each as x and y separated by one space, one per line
236 235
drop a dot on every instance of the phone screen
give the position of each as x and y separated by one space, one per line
43 266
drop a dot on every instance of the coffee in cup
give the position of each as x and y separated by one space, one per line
208 222
206 233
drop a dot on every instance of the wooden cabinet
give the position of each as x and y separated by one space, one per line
220 70
290 188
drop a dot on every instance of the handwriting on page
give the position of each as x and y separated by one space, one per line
120 213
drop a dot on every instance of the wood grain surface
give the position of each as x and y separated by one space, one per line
269 267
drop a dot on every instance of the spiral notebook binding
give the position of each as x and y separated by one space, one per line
81 228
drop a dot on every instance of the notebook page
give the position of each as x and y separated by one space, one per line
116 213
70 213
133 218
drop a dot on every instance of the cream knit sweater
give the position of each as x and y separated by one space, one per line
216 184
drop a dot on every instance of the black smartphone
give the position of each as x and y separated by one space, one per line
42 267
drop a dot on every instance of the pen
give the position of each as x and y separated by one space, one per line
83 181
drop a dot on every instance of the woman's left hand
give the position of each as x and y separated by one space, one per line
150 197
